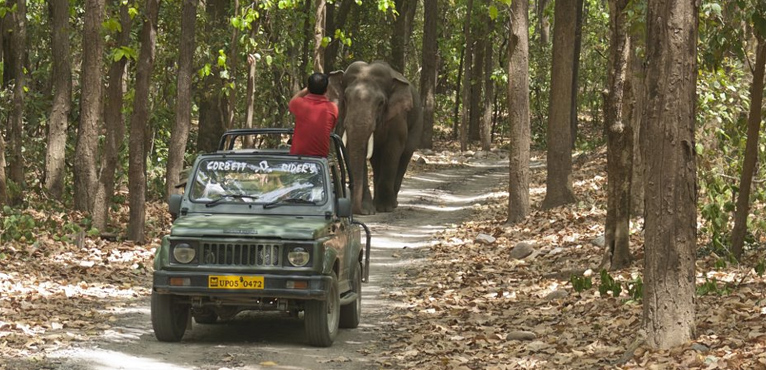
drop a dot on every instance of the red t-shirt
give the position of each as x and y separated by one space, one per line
315 118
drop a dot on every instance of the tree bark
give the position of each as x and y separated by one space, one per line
139 122
477 73
335 20
401 36
635 112
319 32
619 144
467 77
428 74
231 65
55 154
115 125
558 179
212 106
576 70
671 178
485 124
518 106
182 125
86 149
16 124
751 153
543 23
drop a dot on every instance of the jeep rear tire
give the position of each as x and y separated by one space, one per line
169 318
351 314
321 318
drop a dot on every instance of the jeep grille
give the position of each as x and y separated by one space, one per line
230 254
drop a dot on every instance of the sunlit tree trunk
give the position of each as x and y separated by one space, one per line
319 33
477 73
671 177
518 106
635 113
114 123
428 74
55 154
543 23
5 30
401 36
180 132
751 152
231 65
485 123
576 70
619 135
559 173
86 150
139 122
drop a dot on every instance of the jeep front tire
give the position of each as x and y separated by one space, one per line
321 318
169 318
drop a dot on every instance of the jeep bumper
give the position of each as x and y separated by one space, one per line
274 286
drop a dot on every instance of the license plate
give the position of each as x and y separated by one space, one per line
234 282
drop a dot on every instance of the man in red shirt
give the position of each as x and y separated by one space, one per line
315 118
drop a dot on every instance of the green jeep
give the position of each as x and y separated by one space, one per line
260 229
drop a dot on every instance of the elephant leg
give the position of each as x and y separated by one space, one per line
404 161
385 173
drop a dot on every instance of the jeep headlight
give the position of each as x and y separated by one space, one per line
184 253
298 257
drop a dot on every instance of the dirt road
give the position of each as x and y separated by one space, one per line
429 202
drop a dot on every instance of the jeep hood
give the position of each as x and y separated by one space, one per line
251 226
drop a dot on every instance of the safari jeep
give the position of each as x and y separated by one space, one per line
260 229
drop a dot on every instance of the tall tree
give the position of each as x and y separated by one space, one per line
180 131
55 165
231 68
335 19
671 177
5 30
576 69
138 124
477 73
16 123
559 174
485 122
634 113
319 32
212 118
518 103
114 121
751 149
619 135
428 74
86 149
543 22
467 77
402 31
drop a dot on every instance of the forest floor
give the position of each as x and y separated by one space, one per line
451 287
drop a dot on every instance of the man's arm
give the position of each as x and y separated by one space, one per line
301 93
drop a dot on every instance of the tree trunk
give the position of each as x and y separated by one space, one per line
139 122
55 154
543 23
231 65
458 92
428 74
467 77
751 153
619 144
485 125
319 33
671 179
576 70
180 132
558 180
86 150
16 124
335 20
401 36
518 106
212 115
115 125
635 115
477 72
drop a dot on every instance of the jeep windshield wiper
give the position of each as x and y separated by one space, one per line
229 196
282 202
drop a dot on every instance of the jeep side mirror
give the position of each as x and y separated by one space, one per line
344 207
174 204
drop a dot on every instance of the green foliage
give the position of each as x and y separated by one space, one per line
760 268
17 226
711 286
635 289
608 284
580 283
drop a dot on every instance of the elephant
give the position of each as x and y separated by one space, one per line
377 105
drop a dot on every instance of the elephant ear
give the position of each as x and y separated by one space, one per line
335 87
400 99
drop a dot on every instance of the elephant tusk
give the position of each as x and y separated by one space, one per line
370 144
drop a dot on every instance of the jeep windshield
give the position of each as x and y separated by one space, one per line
258 181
